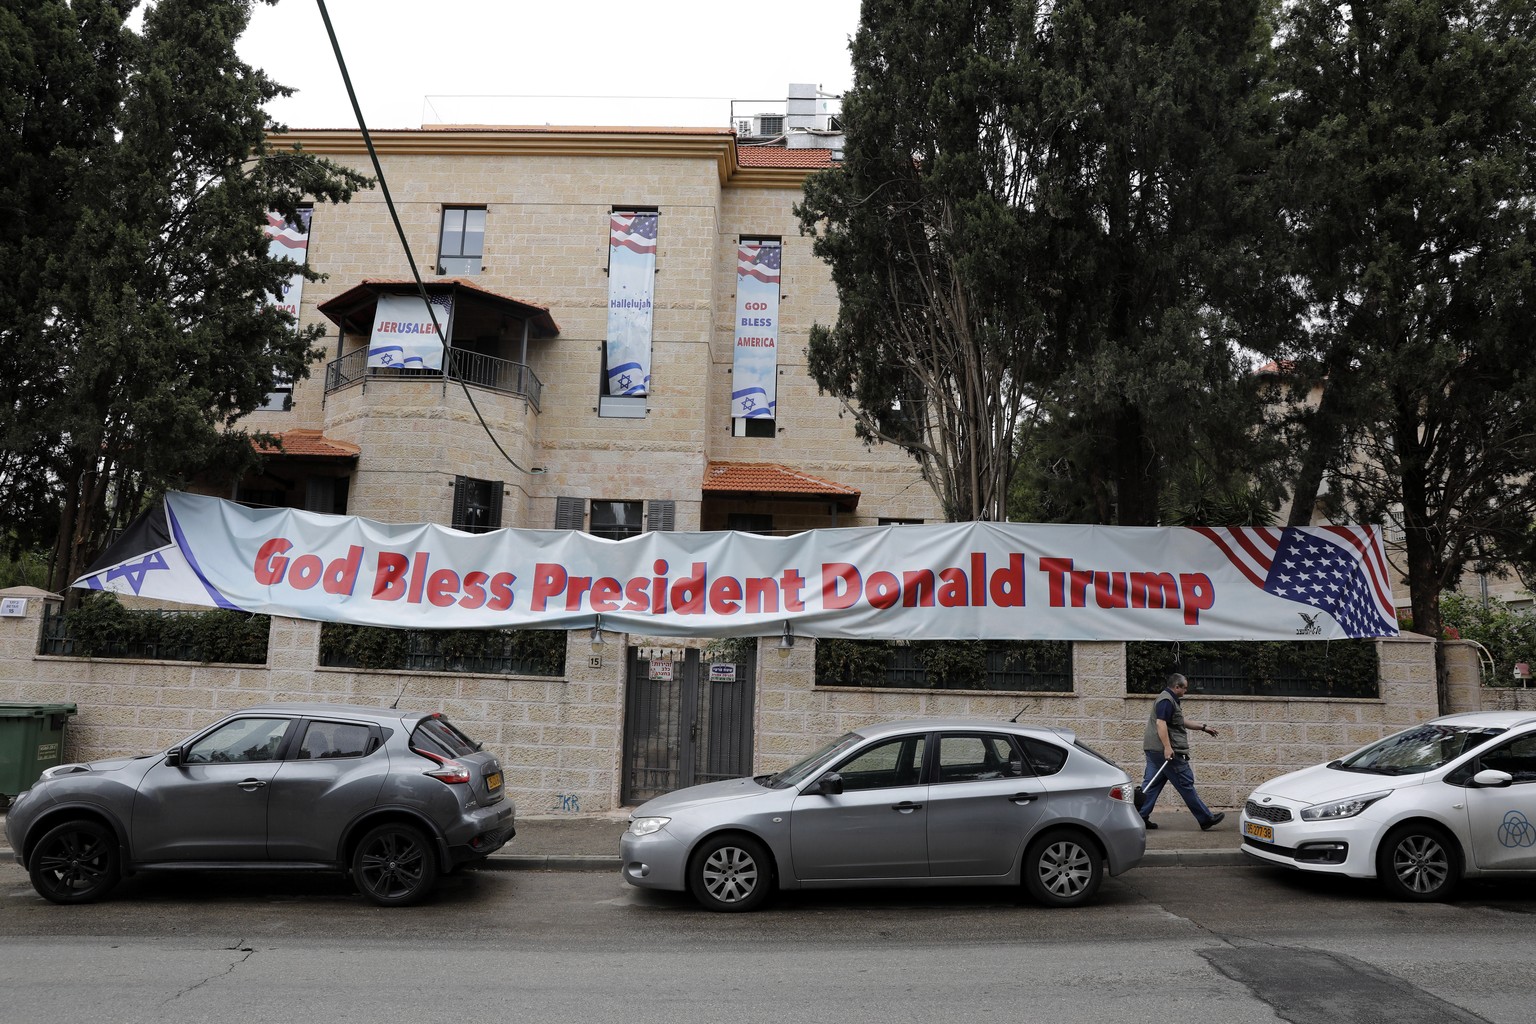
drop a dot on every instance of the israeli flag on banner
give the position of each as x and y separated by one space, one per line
403 336
631 286
755 370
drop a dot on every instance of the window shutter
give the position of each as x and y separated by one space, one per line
494 518
570 513
460 501
661 515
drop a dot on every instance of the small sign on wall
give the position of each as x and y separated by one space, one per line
722 672
661 671
13 607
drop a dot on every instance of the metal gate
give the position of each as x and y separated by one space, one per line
686 721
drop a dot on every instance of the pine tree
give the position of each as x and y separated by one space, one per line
1041 215
1409 169
144 326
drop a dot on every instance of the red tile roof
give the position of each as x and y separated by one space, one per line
739 479
308 444
779 156
365 294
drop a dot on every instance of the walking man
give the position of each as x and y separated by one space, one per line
1167 742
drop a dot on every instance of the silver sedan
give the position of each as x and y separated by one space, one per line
932 802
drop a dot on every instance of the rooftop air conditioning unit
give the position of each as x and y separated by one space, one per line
743 126
770 124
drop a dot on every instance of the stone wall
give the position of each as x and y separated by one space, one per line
560 739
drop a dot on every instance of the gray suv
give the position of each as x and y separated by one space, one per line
394 798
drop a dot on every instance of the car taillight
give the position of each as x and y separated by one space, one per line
1126 793
450 772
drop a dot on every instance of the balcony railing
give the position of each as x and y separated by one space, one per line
488 372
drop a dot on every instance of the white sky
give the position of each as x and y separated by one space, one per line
564 62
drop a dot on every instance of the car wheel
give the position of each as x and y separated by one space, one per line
731 873
1063 868
1418 862
394 866
76 862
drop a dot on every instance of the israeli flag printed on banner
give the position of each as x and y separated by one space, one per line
631 287
755 369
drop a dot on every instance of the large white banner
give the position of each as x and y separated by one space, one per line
631 287
755 370
951 581
403 335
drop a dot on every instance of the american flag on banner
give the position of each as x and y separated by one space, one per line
759 261
633 231
291 240
1341 570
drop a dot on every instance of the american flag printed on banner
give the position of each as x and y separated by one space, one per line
286 240
633 231
760 262
1341 570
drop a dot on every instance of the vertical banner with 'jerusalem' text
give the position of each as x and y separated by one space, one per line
631 285
754 373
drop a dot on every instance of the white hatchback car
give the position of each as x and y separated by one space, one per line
1419 810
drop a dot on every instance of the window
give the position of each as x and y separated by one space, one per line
280 398
758 426
1517 757
897 521
476 505
334 739
462 245
977 758
749 522
244 739
616 519
897 762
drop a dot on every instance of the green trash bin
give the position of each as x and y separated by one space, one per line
31 741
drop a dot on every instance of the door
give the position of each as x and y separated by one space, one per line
213 805
1502 820
983 802
335 770
687 720
877 827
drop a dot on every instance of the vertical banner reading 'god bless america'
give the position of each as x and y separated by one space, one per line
631 284
754 373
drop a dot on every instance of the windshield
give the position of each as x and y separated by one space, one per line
801 770
1420 749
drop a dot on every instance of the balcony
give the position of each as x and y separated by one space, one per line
488 372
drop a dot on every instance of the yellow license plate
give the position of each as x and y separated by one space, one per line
493 781
1257 831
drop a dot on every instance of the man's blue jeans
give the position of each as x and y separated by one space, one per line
1183 778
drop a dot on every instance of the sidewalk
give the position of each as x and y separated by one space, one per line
590 842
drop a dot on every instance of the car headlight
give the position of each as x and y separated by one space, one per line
1340 808
645 826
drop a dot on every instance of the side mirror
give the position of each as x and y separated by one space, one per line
1492 778
830 784
173 757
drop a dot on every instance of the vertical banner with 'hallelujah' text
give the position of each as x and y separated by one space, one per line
631 285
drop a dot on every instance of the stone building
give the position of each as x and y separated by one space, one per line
520 427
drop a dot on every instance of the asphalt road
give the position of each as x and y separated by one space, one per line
1229 945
